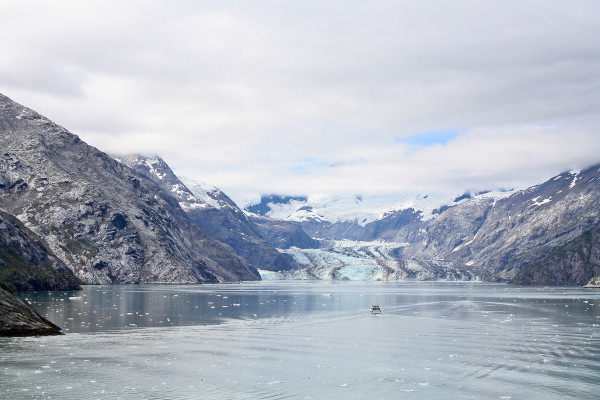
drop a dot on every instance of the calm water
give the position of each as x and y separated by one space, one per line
310 340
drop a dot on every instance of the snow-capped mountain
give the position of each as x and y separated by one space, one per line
215 213
358 209
546 234
395 219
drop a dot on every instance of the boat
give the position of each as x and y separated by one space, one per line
375 310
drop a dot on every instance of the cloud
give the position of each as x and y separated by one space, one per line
303 97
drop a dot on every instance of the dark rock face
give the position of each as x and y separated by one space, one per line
526 227
444 237
403 226
217 215
574 263
263 207
284 234
105 221
231 226
27 264
17 318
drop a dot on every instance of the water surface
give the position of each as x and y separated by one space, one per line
313 340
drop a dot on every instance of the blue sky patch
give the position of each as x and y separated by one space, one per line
426 139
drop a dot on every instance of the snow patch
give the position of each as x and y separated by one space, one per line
463 245
575 174
536 203
192 206
202 192
151 164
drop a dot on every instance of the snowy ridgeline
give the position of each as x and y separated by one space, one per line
364 261
359 209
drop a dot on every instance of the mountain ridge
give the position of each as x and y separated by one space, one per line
105 221
215 213
496 236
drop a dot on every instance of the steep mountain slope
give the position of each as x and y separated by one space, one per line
574 263
283 234
18 318
214 213
546 234
106 222
531 224
26 263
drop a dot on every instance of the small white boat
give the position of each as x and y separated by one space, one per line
375 310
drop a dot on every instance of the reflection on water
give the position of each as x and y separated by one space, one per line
310 340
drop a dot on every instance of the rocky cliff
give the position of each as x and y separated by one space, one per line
105 221
546 234
283 234
18 318
534 226
574 263
215 213
26 263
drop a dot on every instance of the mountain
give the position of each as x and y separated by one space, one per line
397 217
27 264
105 221
545 225
546 234
575 263
18 318
215 213
283 234
267 203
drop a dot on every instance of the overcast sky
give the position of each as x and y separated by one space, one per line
304 97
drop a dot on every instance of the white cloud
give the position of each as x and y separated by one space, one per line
303 97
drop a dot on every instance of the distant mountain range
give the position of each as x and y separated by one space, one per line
89 217
546 234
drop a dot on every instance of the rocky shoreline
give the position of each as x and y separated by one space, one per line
17 318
